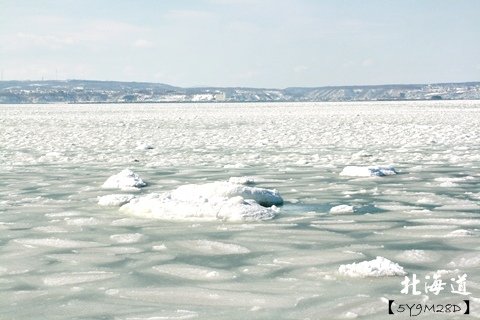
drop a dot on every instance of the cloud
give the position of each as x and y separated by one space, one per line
93 33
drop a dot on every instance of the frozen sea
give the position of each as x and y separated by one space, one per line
64 256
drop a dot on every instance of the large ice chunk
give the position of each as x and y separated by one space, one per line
210 201
124 180
165 206
379 267
379 171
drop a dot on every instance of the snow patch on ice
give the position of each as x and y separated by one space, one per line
417 256
467 260
455 179
143 146
55 243
126 237
50 229
350 315
159 247
204 192
459 233
124 180
82 221
379 171
167 315
235 166
448 182
379 267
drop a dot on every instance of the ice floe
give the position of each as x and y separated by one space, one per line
370 171
56 243
209 247
378 267
210 201
342 209
193 272
62 279
124 180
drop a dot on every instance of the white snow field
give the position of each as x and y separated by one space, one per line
236 211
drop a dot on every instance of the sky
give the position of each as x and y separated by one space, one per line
250 43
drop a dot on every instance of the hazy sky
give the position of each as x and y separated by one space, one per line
259 43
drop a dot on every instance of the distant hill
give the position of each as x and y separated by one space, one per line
87 91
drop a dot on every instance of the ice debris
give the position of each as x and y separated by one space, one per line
124 180
379 171
143 146
379 267
243 180
115 200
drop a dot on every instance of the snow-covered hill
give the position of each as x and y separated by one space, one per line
85 91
